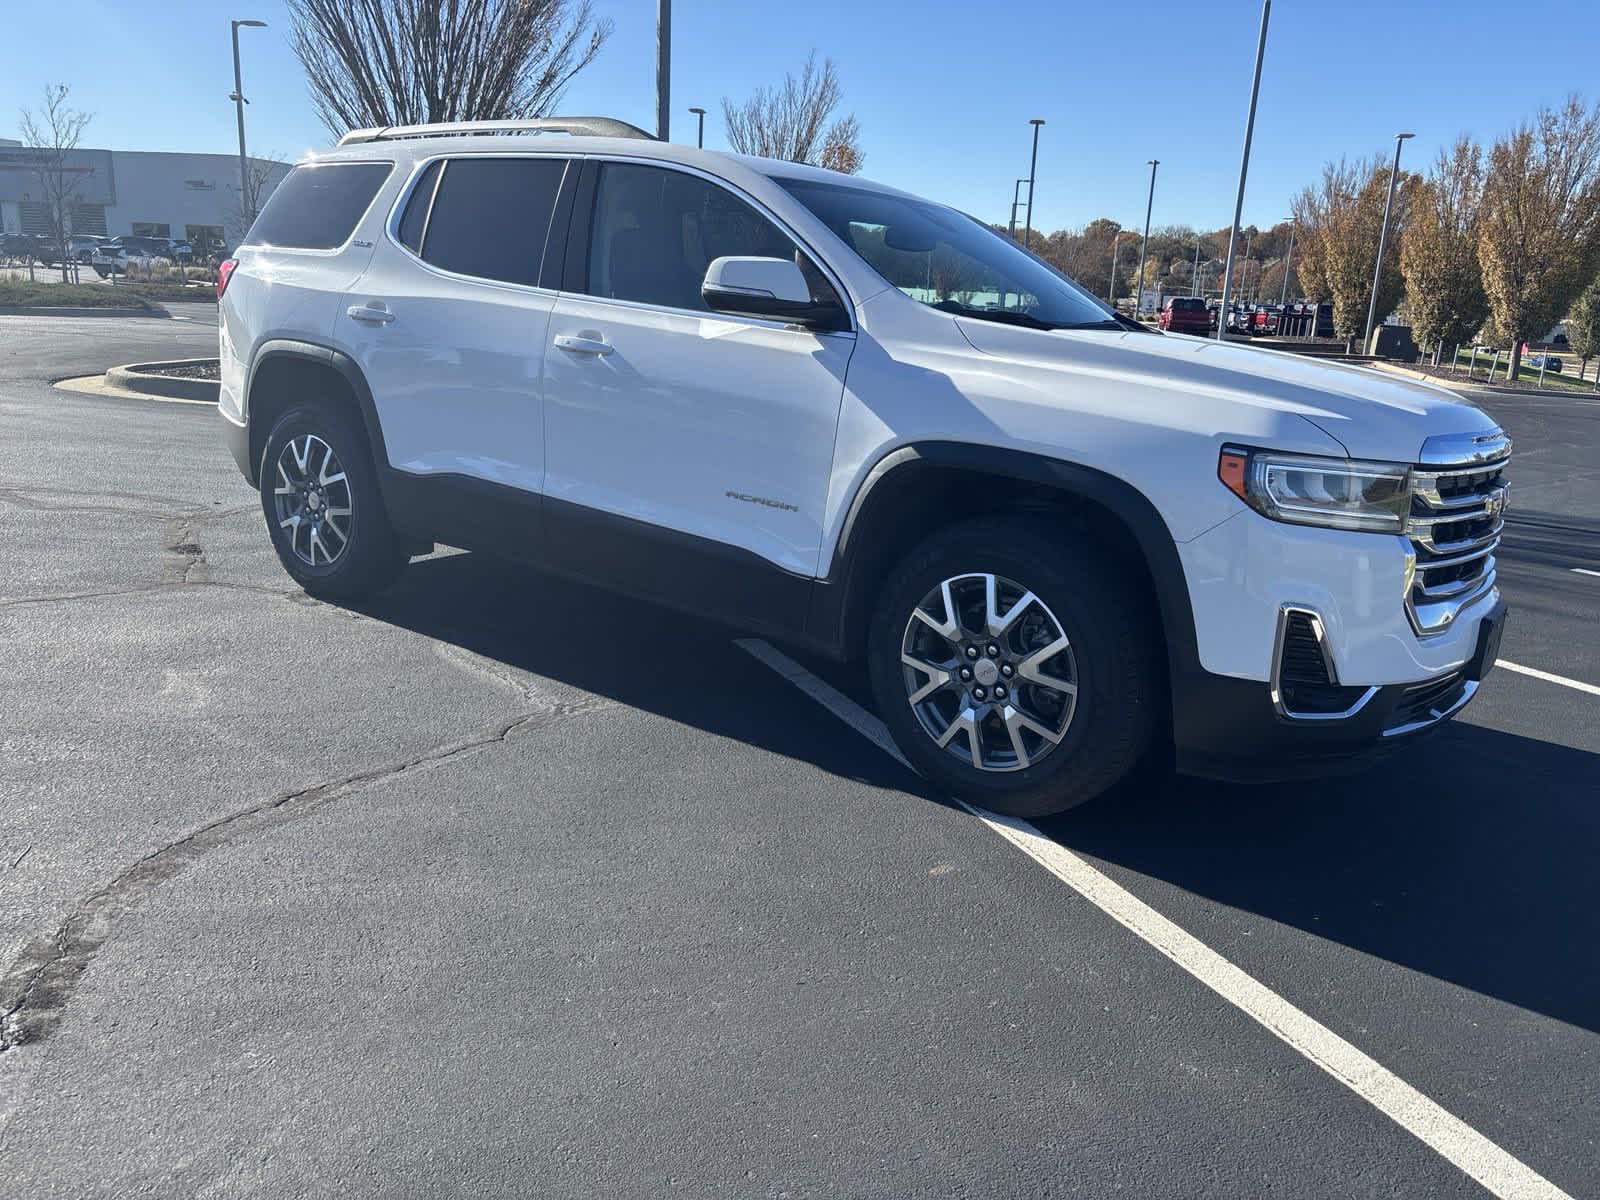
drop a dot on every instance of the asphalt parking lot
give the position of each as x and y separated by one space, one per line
499 886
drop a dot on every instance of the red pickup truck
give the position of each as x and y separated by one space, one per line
1186 314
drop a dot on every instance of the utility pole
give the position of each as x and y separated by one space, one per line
1383 236
1288 261
1244 170
1033 168
247 204
1111 292
1138 284
663 69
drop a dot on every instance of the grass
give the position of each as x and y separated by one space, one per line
1564 381
18 293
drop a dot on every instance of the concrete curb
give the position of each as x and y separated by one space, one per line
141 377
146 309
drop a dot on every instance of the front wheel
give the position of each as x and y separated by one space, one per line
1015 668
319 494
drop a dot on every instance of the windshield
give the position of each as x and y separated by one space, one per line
948 260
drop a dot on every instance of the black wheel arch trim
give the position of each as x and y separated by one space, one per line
832 618
325 356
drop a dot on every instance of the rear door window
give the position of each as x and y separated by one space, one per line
318 205
490 217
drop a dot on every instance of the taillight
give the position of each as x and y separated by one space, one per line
225 273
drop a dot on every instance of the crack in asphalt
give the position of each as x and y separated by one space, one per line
35 990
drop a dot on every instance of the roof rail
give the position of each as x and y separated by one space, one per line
577 126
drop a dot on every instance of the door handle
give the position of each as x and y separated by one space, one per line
583 344
371 313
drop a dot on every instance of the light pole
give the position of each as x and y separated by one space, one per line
246 200
1194 276
1244 169
1383 236
1288 262
663 69
1138 283
1244 275
1016 203
1033 168
1111 292
700 134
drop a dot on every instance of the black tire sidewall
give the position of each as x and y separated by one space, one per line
1112 645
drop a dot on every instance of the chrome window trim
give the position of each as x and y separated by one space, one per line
391 226
761 207
1321 634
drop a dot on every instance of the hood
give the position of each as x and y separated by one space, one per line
1370 412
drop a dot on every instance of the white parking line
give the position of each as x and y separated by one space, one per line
1535 673
1585 571
1494 1168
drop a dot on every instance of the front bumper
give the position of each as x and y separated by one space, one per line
1229 728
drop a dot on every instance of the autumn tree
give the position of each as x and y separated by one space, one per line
1439 250
414 62
1583 325
52 134
794 121
1539 245
1340 220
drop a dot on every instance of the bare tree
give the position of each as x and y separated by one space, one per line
52 134
1439 251
412 62
792 121
1540 240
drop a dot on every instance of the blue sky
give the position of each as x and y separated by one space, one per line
943 96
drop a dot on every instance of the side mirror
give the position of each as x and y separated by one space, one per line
766 287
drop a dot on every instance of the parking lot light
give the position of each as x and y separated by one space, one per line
1288 261
1383 236
1244 170
1138 284
1033 168
700 134
246 204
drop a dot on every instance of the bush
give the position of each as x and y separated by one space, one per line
19 293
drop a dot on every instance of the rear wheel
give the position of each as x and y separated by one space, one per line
1015 670
320 497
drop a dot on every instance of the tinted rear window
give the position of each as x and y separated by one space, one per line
490 217
317 206
1191 302
417 208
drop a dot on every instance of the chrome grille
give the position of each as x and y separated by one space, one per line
1458 500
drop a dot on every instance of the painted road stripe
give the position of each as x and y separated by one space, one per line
1585 571
1499 1172
1534 673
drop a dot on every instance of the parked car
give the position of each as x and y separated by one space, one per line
1548 362
23 246
1056 539
115 256
1185 314
1265 321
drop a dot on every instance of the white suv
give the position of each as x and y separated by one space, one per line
864 424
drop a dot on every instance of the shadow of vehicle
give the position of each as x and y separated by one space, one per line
1470 856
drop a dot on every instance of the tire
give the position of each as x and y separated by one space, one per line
1112 658
296 455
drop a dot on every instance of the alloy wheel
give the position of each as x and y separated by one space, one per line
313 501
989 672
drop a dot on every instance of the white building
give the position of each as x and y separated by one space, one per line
192 196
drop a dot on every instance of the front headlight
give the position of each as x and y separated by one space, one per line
1336 493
